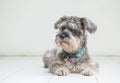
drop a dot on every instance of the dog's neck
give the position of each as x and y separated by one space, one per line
77 54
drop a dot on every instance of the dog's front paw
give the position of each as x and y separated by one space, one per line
87 73
61 71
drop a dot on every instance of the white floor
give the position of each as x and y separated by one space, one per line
30 70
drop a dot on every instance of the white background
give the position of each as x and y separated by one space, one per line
27 26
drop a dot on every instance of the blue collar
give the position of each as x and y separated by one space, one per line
75 55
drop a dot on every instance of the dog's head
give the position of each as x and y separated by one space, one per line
72 32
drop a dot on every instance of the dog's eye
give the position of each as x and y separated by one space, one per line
63 28
70 29
75 32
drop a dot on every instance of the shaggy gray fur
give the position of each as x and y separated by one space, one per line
71 38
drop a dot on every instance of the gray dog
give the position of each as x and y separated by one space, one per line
73 56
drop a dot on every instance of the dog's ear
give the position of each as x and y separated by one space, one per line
88 25
56 25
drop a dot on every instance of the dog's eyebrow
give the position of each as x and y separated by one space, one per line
71 29
63 27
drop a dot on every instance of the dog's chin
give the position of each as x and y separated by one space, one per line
66 46
63 44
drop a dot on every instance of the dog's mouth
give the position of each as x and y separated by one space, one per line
61 42
64 42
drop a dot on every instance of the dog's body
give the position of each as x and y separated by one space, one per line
73 56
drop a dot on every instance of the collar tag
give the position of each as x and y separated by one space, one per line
67 63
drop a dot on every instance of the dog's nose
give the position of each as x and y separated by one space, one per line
62 36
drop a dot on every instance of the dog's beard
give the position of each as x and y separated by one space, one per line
70 45
63 43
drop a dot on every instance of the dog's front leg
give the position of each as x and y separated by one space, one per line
57 67
89 68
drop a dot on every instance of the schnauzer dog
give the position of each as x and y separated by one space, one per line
73 56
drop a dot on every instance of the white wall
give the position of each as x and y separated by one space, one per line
26 26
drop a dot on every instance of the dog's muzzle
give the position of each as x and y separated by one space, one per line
63 35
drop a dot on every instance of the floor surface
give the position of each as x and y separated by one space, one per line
30 70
